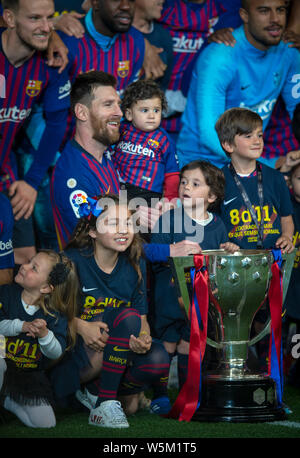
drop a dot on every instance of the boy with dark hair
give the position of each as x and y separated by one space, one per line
145 156
257 209
201 190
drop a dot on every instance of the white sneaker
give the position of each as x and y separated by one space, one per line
109 414
86 398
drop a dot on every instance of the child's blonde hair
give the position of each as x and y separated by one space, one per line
63 297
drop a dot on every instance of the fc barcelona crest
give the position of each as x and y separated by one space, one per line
153 143
33 88
123 68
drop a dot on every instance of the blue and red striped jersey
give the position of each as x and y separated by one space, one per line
77 174
278 136
124 60
189 25
21 88
6 232
144 158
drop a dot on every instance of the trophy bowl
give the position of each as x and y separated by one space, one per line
238 288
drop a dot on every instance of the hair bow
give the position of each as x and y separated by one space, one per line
90 207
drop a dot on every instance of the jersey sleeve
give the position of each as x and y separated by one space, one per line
291 89
212 75
6 232
139 57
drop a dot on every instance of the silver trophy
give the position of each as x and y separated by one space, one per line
239 283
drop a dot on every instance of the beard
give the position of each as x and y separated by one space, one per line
31 45
101 133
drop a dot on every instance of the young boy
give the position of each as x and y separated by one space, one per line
144 156
257 209
201 190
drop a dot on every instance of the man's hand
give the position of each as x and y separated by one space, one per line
23 199
292 38
222 36
154 67
57 53
69 24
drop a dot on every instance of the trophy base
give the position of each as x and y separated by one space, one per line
239 401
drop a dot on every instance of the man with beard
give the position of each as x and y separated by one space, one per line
253 73
109 44
26 80
84 167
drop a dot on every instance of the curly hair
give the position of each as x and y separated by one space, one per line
142 90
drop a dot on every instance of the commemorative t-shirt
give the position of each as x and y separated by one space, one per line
23 350
236 216
120 288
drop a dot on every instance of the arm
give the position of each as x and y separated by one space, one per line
206 102
291 89
24 192
94 334
142 343
285 241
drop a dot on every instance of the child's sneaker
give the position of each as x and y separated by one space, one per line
86 398
109 414
160 406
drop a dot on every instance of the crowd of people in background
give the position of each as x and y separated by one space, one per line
114 117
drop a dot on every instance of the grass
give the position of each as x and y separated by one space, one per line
73 424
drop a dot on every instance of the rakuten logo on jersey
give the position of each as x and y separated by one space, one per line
13 114
187 45
264 108
131 148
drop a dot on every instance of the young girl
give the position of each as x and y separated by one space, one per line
34 316
116 355
201 190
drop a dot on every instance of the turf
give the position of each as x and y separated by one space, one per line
72 424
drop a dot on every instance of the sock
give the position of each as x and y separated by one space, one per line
121 325
161 387
182 368
150 369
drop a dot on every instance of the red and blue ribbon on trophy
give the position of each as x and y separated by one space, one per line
275 364
189 398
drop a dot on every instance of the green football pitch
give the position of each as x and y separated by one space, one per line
74 424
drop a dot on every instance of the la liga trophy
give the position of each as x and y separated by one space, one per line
238 285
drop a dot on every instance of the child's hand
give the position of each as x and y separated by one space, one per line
40 327
285 244
230 247
140 344
184 248
29 329
293 158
